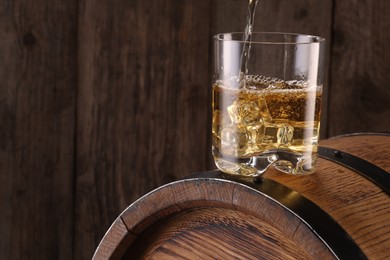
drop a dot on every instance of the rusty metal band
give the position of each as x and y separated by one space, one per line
376 175
320 222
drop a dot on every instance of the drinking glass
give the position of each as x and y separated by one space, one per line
266 102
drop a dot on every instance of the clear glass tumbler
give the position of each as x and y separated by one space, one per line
266 102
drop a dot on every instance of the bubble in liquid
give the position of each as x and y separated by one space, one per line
258 82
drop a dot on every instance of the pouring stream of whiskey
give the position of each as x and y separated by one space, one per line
247 41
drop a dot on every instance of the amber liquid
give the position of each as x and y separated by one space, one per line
267 115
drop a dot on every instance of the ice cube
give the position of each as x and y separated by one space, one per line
235 140
263 110
279 134
248 112
243 112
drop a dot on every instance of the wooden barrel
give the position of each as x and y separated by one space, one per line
340 212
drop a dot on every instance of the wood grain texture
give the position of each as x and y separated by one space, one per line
142 104
118 93
146 210
118 240
358 205
166 201
214 219
328 189
215 233
359 144
368 222
220 218
37 112
360 92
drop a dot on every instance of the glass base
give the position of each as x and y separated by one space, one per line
285 161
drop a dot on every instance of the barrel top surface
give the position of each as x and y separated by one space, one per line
152 220
210 210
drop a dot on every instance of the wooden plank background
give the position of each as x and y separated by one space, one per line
38 50
102 101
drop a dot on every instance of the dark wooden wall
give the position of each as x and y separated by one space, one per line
102 101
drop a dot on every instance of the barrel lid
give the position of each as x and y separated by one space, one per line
213 215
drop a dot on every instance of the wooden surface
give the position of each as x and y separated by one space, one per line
103 101
37 113
360 81
209 219
358 205
215 233
142 109
214 218
359 144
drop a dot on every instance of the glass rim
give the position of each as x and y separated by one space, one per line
310 38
